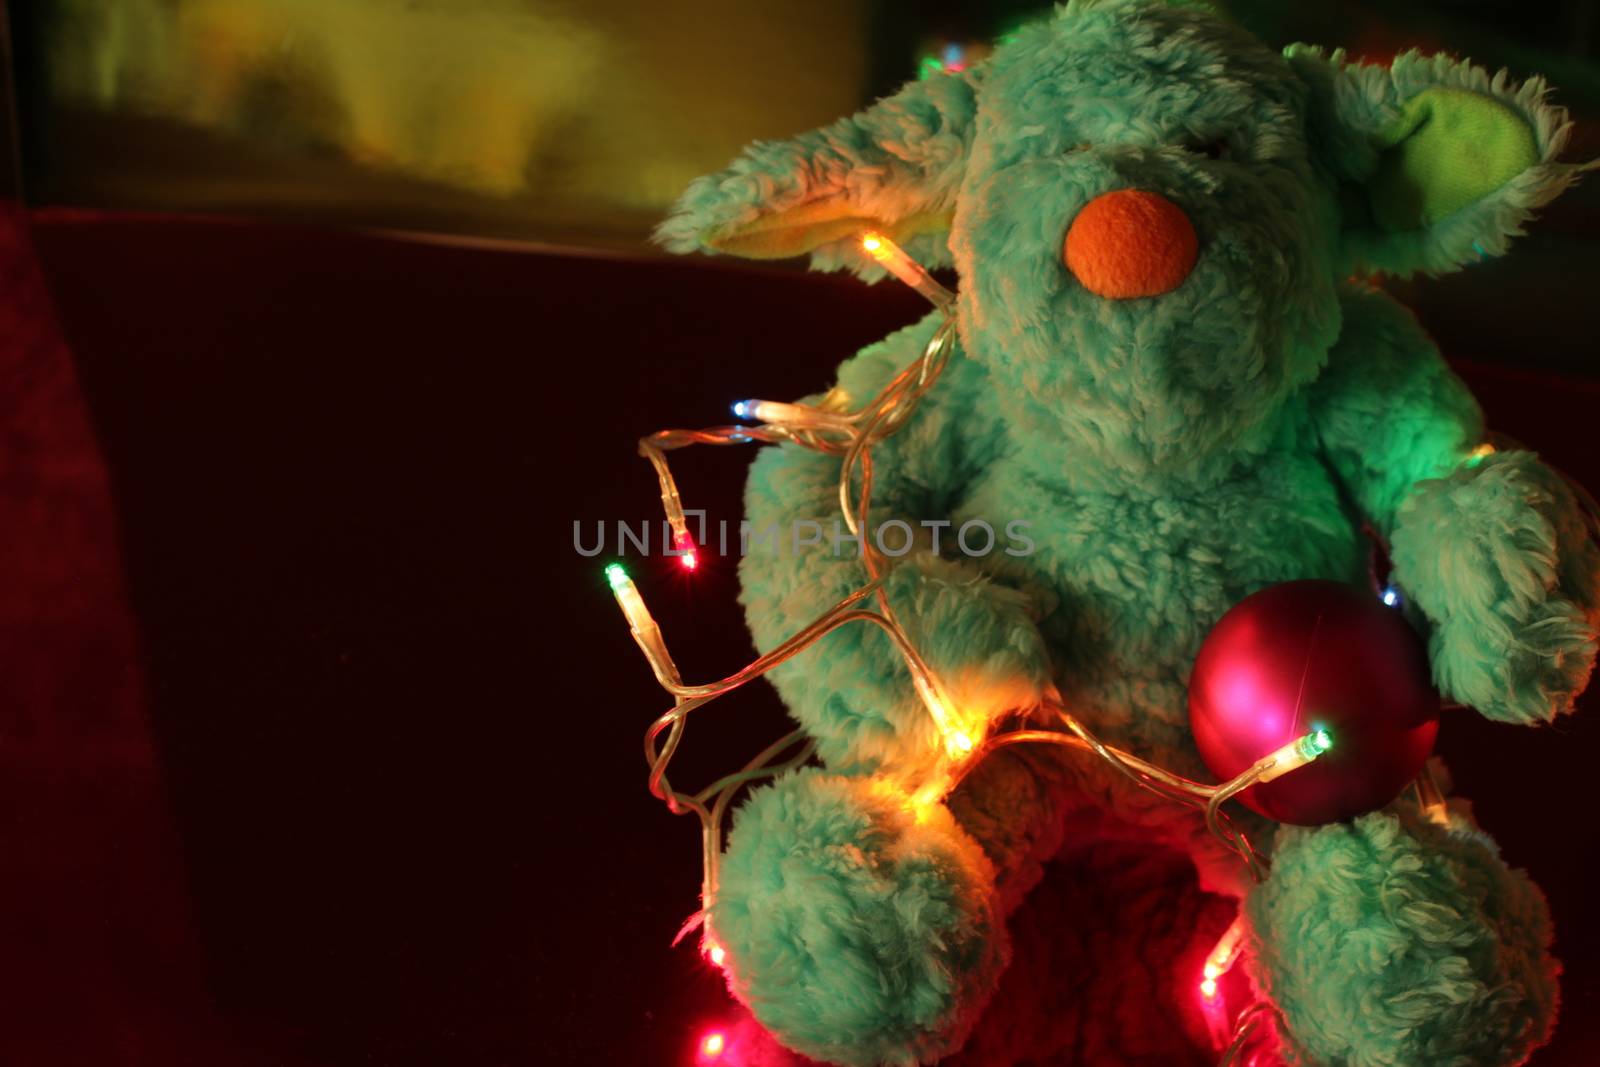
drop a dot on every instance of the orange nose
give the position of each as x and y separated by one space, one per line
1131 243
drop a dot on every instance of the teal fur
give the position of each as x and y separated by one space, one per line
1497 555
874 930
1392 940
1172 455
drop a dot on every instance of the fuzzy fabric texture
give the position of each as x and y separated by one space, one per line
861 929
1157 458
1497 553
1393 940
1115 924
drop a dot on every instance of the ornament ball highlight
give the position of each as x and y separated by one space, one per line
1315 655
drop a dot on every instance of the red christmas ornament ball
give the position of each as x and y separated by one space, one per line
1309 655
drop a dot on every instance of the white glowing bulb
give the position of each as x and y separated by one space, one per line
777 413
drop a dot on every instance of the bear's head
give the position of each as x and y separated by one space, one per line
1151 212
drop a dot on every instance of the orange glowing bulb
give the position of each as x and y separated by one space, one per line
713 1044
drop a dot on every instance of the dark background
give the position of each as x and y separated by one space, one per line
319 744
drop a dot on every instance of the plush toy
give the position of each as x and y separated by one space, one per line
1170 370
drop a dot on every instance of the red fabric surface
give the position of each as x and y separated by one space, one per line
99 963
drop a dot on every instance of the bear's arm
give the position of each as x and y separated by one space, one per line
851 690
1389 412
1494 550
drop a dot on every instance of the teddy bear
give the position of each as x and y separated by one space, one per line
1173 366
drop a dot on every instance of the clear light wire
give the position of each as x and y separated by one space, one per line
1244 1028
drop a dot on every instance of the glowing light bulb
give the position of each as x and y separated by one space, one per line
688 558
1390 596
1477 455
645 631
924 799
712 1045
892 258
1208 988
1295 754
1225 952
629 600
958 743
778 413
717 954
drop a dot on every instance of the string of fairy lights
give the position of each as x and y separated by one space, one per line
829 428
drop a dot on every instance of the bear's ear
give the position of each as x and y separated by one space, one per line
893 167
1439 163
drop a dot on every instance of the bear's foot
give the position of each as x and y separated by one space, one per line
859 928
1393 940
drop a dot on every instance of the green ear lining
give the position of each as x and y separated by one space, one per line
1449 148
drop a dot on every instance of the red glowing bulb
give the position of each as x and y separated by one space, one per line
688 558
712 1044
717 954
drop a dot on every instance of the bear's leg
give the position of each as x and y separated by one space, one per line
1394 939
863 928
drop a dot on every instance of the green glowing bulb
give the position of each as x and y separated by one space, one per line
616 576
1315 743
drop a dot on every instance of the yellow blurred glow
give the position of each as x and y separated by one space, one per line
924 800
718 954
575 120
713 1044
872 243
